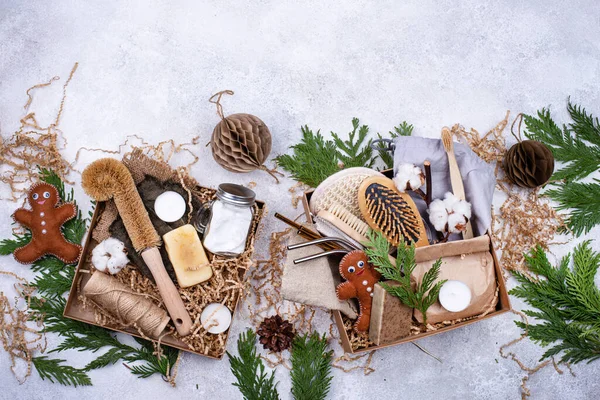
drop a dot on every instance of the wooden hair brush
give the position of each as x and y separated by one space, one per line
107 179
393 213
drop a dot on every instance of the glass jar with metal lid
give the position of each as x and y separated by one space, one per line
225 222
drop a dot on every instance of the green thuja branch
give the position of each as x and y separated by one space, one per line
52 281
249 370
569 143
55 370
566 303
311 367
314 159
583 202
404 129
577 145
354 152
420 297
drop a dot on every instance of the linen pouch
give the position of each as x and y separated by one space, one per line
313 282
469 261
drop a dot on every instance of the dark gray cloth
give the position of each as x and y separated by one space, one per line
478 176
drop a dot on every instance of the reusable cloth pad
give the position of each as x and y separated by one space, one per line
478 176
313 282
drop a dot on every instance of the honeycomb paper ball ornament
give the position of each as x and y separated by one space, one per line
529 163
240 142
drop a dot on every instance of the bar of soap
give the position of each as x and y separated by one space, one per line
390 318
187 256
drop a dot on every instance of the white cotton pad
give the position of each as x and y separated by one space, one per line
169 206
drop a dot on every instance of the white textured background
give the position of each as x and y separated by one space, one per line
148 68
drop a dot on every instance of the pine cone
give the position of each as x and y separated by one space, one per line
276 334
529 164
241 143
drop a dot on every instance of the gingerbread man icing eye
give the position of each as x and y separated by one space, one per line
46 195
361 264
351 269
35 196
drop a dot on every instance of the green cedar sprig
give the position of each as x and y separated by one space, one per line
577 145
311 367
249 370
314 159
566 302
354 152
424 294
55 370
404 129
53 280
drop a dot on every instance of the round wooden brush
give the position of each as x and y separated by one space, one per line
107 179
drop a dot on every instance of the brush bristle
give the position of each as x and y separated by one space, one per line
107 179
350 219
447 139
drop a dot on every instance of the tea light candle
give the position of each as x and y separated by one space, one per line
215 318
169 206
455 296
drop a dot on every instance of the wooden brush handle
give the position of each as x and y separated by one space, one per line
168 291
457 186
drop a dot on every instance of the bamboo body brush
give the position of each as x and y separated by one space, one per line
107 179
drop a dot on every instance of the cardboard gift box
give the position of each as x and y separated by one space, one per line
502 305
75 309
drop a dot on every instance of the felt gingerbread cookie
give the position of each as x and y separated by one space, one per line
360 277
44 220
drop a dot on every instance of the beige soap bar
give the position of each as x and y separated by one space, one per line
390 319
187 256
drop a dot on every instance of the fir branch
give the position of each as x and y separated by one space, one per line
583 202
567 304
249 370
354 153
55 370
311 367
576 145
424 294
404 129
313 160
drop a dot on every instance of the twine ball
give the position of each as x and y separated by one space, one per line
529 164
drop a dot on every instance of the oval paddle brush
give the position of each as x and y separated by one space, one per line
107 179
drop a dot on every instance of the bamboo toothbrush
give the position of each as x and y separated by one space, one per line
107 179
455 178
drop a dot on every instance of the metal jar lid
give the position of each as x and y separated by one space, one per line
236 194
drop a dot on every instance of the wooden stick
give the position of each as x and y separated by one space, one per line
429 194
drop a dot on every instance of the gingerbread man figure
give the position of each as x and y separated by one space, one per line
44 220
360 277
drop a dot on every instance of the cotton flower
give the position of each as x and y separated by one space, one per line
109 256
438 215
449 215
409 177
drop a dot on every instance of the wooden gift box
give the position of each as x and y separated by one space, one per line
502 306
74 309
